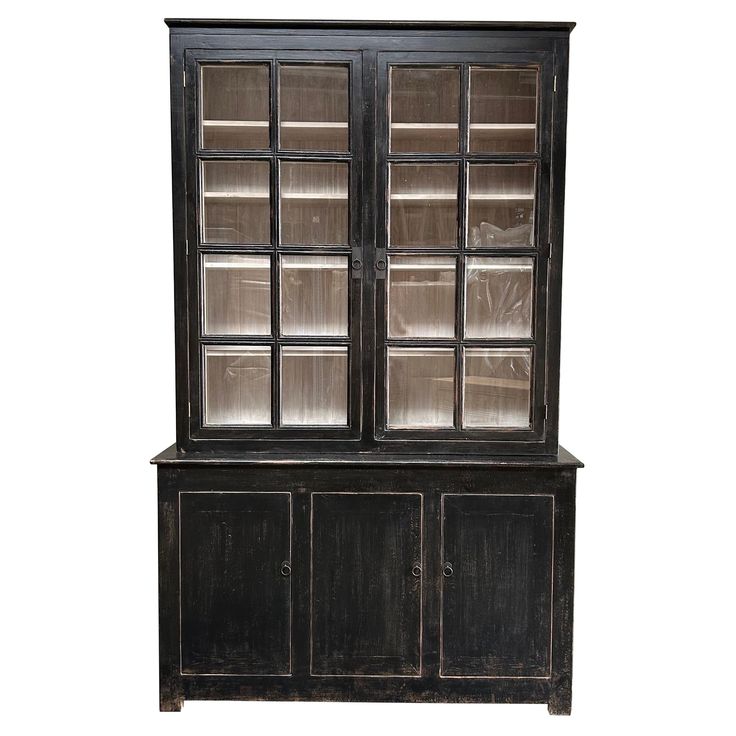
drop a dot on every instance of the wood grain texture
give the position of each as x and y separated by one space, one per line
235 587
496 603
366 583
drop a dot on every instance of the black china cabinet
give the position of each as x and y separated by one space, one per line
366 499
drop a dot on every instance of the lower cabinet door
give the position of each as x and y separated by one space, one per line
235 583
496 585
366 584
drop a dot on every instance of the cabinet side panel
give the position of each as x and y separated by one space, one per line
496 596
366 587
235 597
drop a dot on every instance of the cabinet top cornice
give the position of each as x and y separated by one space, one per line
371 25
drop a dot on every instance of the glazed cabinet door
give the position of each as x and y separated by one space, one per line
275 246
235 583
497 554
366 584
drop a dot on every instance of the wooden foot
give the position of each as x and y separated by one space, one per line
169 703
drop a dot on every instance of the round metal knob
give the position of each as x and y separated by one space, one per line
416 571
447 569
381 264
357 264
286 568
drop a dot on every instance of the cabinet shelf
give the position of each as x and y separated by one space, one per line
284 195
313 124
235 123
491 197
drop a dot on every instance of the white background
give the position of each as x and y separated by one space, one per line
88 370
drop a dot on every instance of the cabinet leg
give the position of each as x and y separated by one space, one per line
560 699
169 703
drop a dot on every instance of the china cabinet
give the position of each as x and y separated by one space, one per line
366 499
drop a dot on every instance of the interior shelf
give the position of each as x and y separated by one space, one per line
284 195
235 123
312 124
502 126
452 197
424 126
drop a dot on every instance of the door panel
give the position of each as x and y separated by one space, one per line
366 583
235 587
496 585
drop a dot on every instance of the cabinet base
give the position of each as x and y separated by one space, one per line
351 593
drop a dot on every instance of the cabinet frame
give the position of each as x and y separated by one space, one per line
368 45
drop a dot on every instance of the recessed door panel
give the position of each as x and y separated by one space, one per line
235 583
496 585
366 584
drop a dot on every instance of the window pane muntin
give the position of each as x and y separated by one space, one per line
235 106
497 388
503 109
424 109
423 205
314 202
236 202
237 385
236 294
314 295
420 387
499 297
314 386
501 205
421 297
314 118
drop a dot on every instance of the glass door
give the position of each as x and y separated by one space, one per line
274 187
460 313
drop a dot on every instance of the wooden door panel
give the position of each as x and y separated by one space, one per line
366 583
496 585
235 596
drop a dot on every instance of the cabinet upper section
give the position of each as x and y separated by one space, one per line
368 235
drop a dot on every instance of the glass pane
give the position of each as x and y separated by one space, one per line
237 295
423 205
498 297
425 109
237 385
503 110
236 197
314 203
314 386
501 205
421 296
235 106
421 387
497 387
314 295
313 106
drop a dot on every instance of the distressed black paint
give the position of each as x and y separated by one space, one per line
366 583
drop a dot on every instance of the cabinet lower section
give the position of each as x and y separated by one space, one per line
366 580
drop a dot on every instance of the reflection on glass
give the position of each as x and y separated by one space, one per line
313 107
237 295
235 106
314 385
235 196
237 385
500 205
498 297
314 295
425 109
314 203
503 110
421 387
423 205
421 296
497 387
